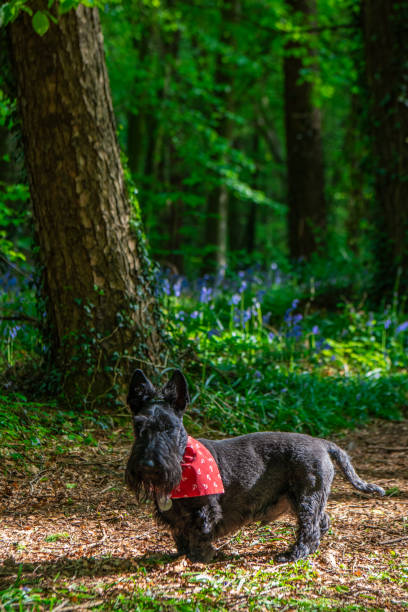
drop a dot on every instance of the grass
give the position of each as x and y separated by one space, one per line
203 590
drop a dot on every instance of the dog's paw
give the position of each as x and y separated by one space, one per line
289 556
283 558
201 556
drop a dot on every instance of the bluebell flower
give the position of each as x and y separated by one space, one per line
195 314
315 330
271 336
235 299
13 331
295 332
401 328
213 332
297 318
295 303
243 286
258 374
177 287
266 318
287 317
166 286
246 315
180 315
387 323
205 294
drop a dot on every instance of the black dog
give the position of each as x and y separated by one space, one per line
263 474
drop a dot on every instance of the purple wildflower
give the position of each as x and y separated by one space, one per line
177 287
213 332
295 332
194 314
315 330
387 323
243 286
166 286
13 331
236 298
205 294
266 318
246 315
401 328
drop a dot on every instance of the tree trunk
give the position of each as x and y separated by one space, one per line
97 277
386 55
216 232
305 175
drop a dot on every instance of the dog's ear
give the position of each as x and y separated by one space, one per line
140 390
176 391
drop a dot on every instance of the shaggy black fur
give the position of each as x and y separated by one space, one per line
264 474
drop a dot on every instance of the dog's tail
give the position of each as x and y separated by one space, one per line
342 458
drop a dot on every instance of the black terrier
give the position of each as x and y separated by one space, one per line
204 489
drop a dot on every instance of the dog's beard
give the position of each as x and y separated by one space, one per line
145 488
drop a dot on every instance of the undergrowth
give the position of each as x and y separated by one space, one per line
260 350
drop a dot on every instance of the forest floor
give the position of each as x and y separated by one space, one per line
72 537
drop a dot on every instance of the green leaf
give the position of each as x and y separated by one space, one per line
41 23
66 5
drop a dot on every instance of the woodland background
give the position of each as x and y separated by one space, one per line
215 185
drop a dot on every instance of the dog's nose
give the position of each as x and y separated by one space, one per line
147 463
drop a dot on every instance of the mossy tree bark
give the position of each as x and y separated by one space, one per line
97 276
386 61
305 170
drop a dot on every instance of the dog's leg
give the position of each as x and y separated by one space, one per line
200 534
182 543
313 521
201 549
307 540
324 524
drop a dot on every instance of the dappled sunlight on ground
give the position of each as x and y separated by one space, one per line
70 530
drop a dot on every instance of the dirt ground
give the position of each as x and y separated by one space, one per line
69 524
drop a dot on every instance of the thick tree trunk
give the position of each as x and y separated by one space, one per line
305 175
97 278
386 55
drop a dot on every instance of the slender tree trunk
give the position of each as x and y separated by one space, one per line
97 279
216 233
250 233
386 55
305 175
358 209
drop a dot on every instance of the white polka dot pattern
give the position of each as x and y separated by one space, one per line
200 473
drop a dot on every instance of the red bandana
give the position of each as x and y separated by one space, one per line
200 474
